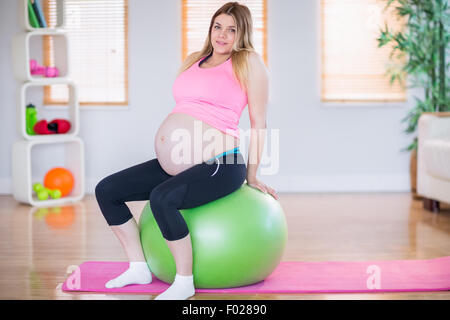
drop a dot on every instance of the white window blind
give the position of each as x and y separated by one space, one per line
98 52
196 17
353 67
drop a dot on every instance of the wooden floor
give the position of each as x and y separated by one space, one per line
37 246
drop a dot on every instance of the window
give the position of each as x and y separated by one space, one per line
197 14
353 67
98 34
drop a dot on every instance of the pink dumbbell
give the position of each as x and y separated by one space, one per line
49 72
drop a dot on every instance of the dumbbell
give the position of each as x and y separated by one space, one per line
49 72
43 193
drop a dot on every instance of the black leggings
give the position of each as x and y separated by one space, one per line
200 184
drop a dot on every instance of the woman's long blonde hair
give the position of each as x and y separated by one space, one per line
242 46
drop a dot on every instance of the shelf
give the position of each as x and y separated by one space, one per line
28 45
24 20
34 90
30 162
34 155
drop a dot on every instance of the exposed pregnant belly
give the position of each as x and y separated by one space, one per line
182 141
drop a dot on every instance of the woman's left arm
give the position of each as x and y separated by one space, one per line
258 97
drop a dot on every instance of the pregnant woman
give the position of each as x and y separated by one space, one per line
209 101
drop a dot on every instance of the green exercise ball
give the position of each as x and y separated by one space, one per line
237 240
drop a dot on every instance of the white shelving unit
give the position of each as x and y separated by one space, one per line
25 23
22 48
26 150
73 109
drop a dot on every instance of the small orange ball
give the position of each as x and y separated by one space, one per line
59 178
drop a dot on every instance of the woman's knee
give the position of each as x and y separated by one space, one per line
105 189
157 203
164 205
161 199
107 200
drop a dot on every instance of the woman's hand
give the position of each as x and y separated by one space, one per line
255 183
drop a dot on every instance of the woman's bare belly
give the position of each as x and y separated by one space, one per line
183 141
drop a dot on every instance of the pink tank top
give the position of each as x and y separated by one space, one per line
212 95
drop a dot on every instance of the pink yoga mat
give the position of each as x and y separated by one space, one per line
294 277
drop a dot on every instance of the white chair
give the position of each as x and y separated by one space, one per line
433 159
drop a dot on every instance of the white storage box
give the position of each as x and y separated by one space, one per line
41 156
24 20
24 100
29 45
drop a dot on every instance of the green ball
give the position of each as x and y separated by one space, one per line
37 187
237 240
42 194
55 194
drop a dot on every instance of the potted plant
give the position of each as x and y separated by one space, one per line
425 43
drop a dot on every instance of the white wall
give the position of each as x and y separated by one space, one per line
323 147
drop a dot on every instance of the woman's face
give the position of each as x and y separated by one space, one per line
223 33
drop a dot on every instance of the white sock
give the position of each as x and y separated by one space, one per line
137 273
181 289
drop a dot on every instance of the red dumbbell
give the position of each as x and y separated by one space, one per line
55 126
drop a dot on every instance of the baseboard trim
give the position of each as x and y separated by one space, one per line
307 184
